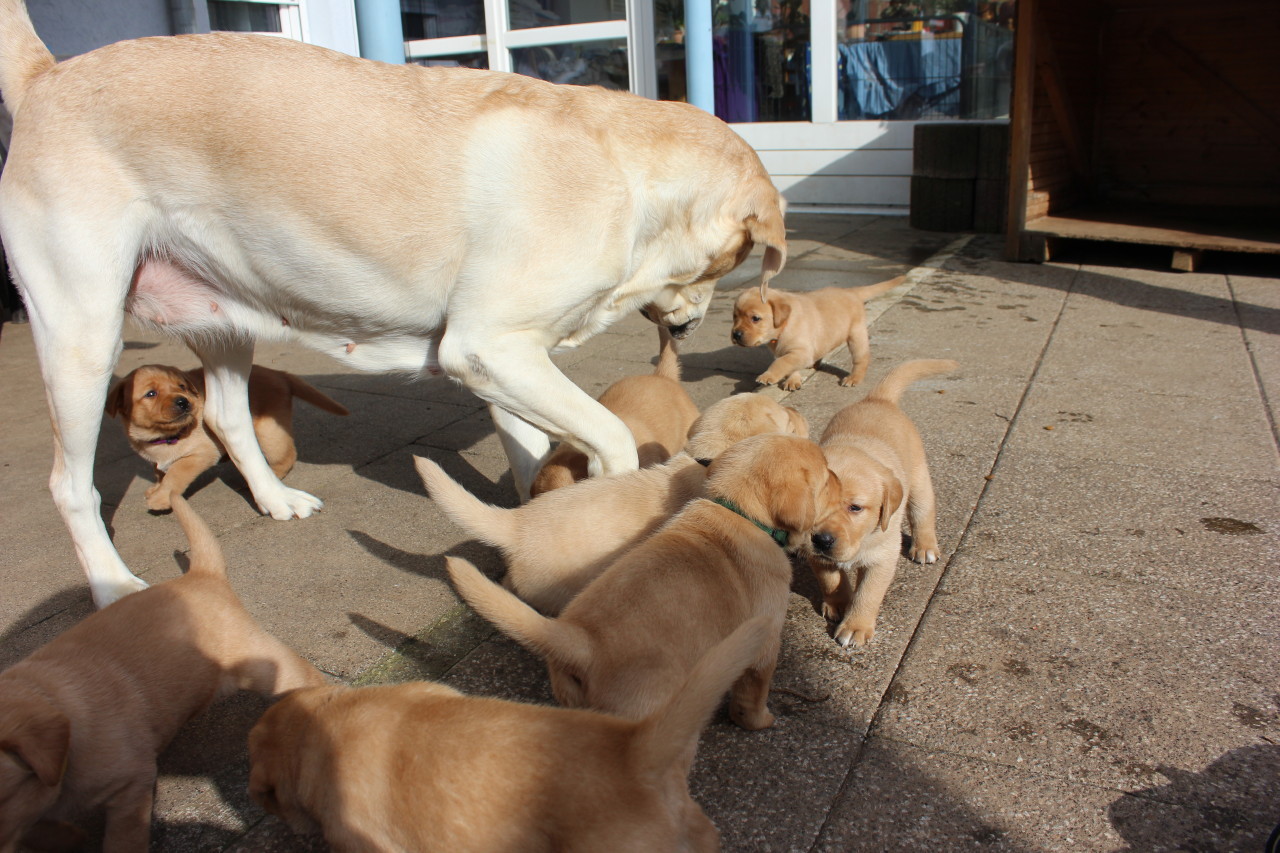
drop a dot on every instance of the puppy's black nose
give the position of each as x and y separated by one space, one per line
182 403
737 335
823 542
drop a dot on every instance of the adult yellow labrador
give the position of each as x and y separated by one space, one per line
230 188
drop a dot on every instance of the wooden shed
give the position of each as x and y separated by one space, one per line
1146 121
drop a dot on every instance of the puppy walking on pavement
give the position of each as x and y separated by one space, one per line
162 409
420 766
876 451
83 719
801 328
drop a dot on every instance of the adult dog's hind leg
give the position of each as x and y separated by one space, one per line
526 447
226 411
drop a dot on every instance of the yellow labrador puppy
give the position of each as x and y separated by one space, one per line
655 407
83 719
549 559
231 188
877 452
628 640
801 328
420 766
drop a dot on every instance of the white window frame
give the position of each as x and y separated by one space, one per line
292 19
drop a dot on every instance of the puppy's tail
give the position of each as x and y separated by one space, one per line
668 356
672 732
553 639
304 391
871 291
206 553
897 380
23 56
490 524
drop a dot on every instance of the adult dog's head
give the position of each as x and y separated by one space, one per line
157 403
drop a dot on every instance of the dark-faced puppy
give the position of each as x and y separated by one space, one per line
83 718
419 766
878 454
162 409
629 639
801 328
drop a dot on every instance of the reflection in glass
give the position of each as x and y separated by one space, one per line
429 19
240 17
461 60
923 59
669 55
554 13
594 63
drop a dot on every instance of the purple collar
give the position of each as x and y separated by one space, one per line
170 440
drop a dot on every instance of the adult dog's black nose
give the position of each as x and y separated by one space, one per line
681 330
737 336
823 542
182 403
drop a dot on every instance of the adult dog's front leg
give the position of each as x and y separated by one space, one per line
518 376
226 412
526 447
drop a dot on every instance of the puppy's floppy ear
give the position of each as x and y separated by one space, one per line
781 312
43 743
119 397
892 500
796 423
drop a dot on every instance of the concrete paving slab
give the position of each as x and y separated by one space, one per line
1085 679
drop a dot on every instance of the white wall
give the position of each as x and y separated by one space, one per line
859 163
331 24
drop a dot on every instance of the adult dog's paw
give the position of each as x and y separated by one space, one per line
290 503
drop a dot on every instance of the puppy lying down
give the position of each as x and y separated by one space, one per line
162 409
549 560
656 409
626 642
421 767
83 718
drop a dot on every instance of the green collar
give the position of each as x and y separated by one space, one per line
779 536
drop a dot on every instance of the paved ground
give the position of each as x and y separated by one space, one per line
1094 664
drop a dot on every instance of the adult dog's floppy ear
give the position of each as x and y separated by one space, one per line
767 229
892 500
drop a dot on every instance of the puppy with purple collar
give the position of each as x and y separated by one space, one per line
162 409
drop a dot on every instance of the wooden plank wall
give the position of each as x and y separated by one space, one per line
1190 107
1066 43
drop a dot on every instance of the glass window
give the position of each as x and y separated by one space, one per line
526 14
429 19
594 63
923 59
461 60
244 17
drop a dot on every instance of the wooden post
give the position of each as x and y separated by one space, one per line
1024 86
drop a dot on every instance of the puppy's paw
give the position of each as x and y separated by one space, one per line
923 552
792 382
852 380
856 632
159 498
290 503
832 611
768 378
751 719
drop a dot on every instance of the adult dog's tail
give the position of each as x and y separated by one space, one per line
890 389
668 365
490 524
672 732
871 291
206 554
554 640
23 56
